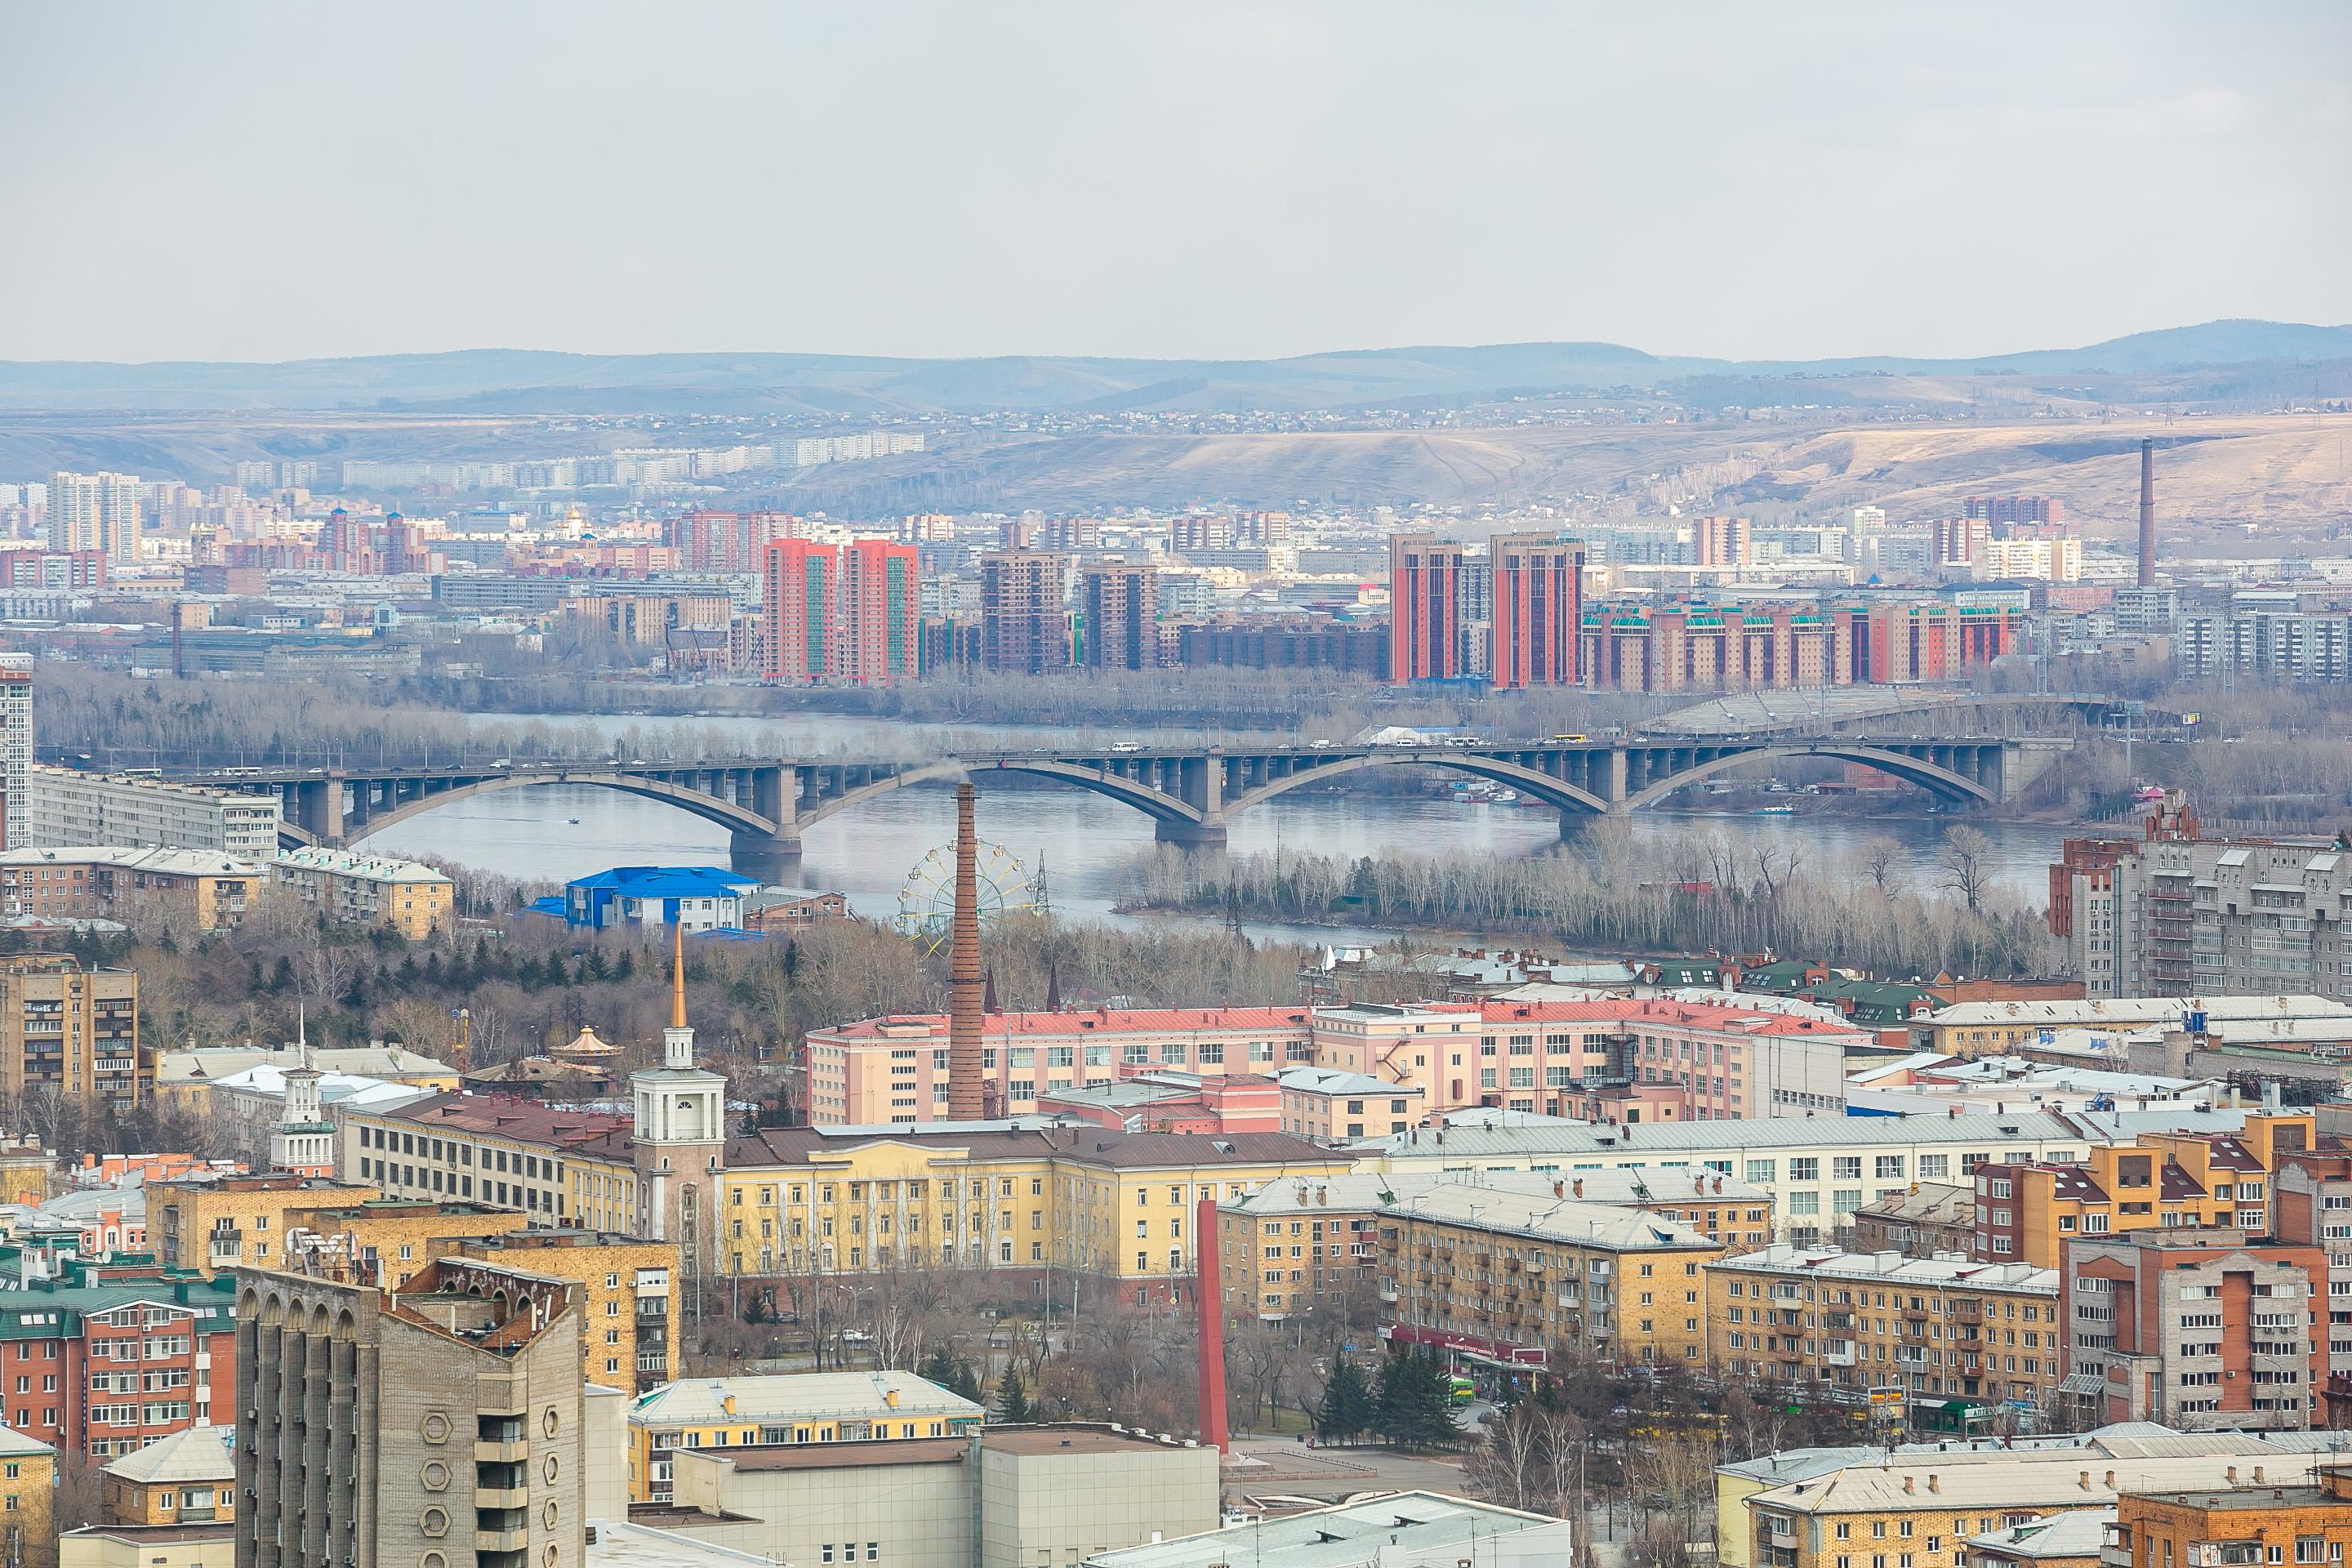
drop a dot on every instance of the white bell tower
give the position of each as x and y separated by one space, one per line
303 1142
681 1135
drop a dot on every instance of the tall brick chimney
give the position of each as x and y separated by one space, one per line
966 1099
1209 1312
2147 513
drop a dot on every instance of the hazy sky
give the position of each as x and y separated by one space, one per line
228 181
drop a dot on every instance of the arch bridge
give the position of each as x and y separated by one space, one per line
1192 795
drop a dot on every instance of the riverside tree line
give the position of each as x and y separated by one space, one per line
1606 893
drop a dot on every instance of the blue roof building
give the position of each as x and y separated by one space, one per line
699 898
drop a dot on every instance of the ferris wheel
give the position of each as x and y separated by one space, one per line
926 902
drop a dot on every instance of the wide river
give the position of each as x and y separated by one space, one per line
560 832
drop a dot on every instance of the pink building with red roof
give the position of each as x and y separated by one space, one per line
1655 1058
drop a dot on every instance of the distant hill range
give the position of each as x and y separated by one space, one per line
2177 361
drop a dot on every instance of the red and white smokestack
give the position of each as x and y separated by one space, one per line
2147 513
967 1101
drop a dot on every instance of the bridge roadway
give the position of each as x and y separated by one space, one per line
767 804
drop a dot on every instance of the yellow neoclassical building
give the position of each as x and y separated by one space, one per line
1117 1206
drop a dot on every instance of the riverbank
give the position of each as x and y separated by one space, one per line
1614 891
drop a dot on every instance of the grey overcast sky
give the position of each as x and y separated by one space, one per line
235 181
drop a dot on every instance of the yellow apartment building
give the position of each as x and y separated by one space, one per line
207 1226
1535 1279
1292 1246
188 1478
368 889
29 1481
2027 1214
629 1291
561 1166
400 1236
1914 1512
1940 1336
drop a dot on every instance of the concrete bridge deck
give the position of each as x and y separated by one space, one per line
1192 795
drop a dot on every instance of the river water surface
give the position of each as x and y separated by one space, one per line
557 832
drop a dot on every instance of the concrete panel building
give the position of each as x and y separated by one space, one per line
1012 1498
70 807
431 1429
2197 1328
16 750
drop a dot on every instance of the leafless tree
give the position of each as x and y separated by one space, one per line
1966 861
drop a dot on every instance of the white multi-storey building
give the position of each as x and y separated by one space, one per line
1819 1170
15 747
96 511
72 807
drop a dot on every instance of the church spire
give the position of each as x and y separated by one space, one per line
677 1040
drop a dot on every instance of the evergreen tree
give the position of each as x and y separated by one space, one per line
254 980
1348 1406
527 975
1415 1400
1013 1406
596 966
281 974
951 1372
626 968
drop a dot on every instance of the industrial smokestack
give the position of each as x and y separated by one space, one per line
966 1102
2147 513
1208 1305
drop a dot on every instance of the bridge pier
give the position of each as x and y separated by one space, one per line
776 861
1190 834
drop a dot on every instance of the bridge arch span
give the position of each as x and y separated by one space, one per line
1938 781
710 808
1542 785
1156 804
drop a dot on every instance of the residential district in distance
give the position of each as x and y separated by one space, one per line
1486 1253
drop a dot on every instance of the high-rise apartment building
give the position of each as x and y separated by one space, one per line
877 638
1120 604
1538 610
842 612
16 748
437 1427
68 1030
1425 608
1724 540
727 541
1024 616
2002 512
2187 917
96 511
802 579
